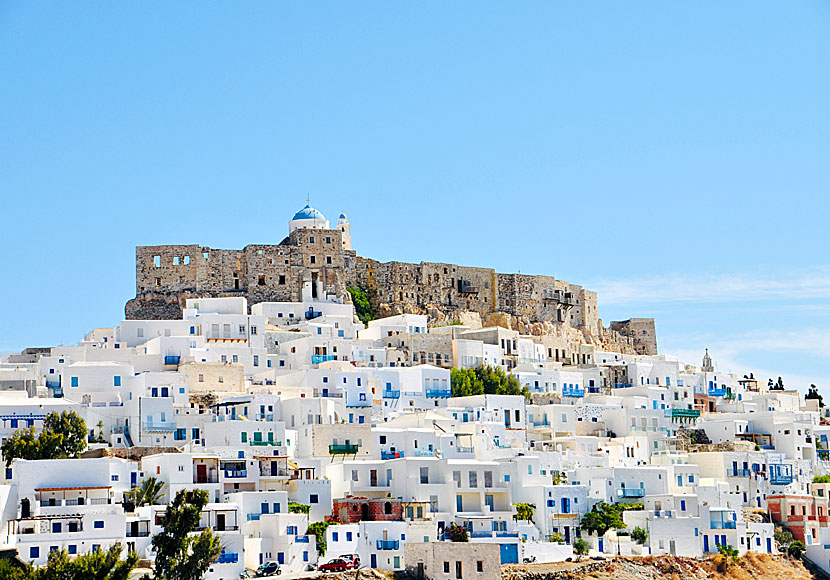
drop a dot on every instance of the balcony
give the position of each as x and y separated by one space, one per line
236 473
345 449
319 358
301 539
730 396
648 428
780 474
424 453
631 492
359 403
438 393
717 392
735 472
388 544
158 426
722 524
781 479
253 517
172 359
391 454
467 287
682 414
228 558
390 394
461 449
261 443
622 385
542 423
573 392
311 314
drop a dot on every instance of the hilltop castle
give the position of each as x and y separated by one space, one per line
317 262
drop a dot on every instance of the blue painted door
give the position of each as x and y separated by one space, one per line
509 553
705 543
769 545
600 545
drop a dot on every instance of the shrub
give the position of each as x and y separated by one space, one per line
580 547
639 535
458 534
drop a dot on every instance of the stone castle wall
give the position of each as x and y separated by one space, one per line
538 305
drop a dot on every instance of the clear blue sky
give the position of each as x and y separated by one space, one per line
673 156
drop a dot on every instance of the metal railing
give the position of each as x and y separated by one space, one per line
350 449
388 544
392 394
438 393
319 358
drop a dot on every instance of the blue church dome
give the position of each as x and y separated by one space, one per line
343 216
308 213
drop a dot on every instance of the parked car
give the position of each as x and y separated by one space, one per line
336 565
268 569
353 560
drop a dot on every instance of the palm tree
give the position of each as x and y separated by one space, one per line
149 492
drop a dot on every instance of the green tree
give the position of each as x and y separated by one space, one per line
560 478
602 518
298 508
318 529
795 549
524 511
148 492
97 565
485 380
639 535
727 556
819 479
63 435
181 554
557 537
362 304
783 539
812 393
581 547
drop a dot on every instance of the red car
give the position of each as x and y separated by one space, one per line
353 560
336 565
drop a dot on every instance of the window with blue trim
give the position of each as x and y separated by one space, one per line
73 381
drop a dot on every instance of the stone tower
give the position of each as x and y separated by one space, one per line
346 231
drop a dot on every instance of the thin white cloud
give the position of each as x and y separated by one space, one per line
691 287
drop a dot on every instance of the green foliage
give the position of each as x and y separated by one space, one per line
795 549
812 393
783 539
180 555
98 565
557 537
485 380
728 552
362 304
319 531
580 547
602 518
63 435
821 479
458 534
298 508
524 511
148 492
560 478
639 535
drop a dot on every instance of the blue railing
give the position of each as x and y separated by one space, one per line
391 454
573 392
781 479
236 473
622 385
594 390
228 558
301 539
318 358
780 473
739 473
390 394
631 492
253 517
543 423
388 544
359 404
715 392
172 359
158 426
311 314
438 393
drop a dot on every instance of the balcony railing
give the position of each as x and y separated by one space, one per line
390 394
319 358
682 414
739 472
573 392
388 544
648 428
622 385
234 473
172 359
722 525
158 426
253 517
438 393
344 449
461 449
359 404
259 443
717 392
781 479
424 453
542 423
391 454
228 558
631 492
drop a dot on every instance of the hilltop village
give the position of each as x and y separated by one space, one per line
432 418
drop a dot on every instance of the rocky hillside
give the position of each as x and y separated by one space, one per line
750 567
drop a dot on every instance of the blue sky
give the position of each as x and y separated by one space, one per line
672 156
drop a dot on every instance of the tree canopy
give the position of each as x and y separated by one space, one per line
63 435
812 393
485 380
603 517
148 492
362 304
180 555
98 565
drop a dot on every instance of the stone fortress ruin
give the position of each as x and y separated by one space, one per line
317 262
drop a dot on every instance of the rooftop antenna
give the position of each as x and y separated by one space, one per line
308 200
